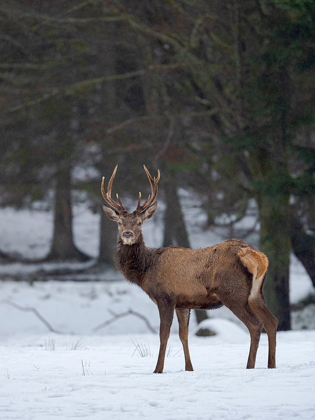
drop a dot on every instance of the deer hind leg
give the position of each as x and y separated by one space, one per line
166 311
250 320
258 305
183 316
254 326
255 333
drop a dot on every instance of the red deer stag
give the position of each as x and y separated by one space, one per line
231 273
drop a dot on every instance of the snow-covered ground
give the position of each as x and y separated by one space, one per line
99 371
105 378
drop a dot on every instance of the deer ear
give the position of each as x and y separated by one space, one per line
112 214
149 212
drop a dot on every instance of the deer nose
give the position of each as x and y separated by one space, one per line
127 234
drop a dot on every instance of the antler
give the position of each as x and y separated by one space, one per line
107 196
154 191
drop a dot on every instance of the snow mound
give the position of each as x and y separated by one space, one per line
225 330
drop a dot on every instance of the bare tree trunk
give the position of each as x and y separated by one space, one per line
201 315
175 232
108 241
271 170
108 231
107 97
274 215
62 247
303 246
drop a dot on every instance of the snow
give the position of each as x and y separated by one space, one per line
228 331
74 308
104 379
106 373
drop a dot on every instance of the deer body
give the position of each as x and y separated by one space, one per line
180 279
189 277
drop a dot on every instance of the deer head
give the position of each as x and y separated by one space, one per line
129 224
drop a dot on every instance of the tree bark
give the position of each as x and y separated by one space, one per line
303 246
175 232
201 315
274 212
107 96
108 240
62 247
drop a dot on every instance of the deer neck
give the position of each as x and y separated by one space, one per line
133 261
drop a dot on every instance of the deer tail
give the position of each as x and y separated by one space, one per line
257 264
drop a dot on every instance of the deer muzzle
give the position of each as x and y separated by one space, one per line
128 235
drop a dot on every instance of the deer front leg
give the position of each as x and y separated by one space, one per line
183 316
166 311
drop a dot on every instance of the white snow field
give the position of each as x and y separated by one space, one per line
105 373
42 378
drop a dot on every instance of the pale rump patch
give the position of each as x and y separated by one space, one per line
256 287
256 262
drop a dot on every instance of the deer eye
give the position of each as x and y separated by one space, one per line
139 223
119 223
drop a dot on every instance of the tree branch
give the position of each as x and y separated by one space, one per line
27 309
123 314
84 85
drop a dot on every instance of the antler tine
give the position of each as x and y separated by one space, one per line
158 177
148 174
109 201
154 187
110 183
120 203
139 201
102 188
154 190
107 196
153 180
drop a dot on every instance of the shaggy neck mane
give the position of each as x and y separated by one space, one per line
133 261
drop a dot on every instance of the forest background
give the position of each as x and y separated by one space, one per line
218 95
